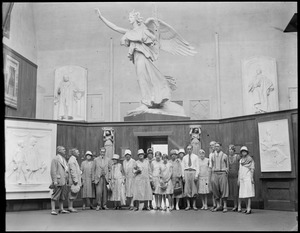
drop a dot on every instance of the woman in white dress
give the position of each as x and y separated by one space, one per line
156 167
246 179
166 185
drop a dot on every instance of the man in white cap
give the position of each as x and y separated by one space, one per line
190 171
101 173
128 165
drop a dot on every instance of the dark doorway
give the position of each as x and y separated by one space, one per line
146 142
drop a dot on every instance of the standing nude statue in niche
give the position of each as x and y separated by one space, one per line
145 39
261 88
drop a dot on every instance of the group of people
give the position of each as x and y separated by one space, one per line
180 178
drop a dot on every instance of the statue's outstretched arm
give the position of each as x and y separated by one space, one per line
111 25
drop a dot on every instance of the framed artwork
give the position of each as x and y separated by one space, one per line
274 146
70 93
11 76
29 149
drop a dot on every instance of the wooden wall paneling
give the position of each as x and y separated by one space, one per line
179 138
279 194
208 134
295 140
94 139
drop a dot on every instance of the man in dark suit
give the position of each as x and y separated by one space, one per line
100 176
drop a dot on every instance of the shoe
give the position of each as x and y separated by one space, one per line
116 208
225 210
98 208
217 209
165 209
131 207
187 208
136 209
212 208
239 210
195 208
245 211
105 208
248 211
63 211
53 212
177 208
83 207
234 209
202 208
72 210
92 207
155 208
205 208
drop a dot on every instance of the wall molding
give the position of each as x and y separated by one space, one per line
19 55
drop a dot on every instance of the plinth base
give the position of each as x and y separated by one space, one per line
154 117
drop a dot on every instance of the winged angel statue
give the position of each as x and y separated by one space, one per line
145 40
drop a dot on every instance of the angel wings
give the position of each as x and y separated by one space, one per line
169 40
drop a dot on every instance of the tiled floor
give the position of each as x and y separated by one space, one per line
125 220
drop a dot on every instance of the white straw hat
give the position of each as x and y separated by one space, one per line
141 151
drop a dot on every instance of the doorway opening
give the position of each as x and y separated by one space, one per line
157 143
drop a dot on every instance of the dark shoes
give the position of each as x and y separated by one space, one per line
247 211
63 211
72 210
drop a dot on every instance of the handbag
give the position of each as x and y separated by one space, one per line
163 185
75 188
177 189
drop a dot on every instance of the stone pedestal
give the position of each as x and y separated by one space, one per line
154 117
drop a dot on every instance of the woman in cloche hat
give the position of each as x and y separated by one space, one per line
128 165
88 189
117 183
246 179
142 189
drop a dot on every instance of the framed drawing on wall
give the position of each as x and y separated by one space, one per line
274 146
29 149
11 76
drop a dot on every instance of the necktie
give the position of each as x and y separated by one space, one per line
190 161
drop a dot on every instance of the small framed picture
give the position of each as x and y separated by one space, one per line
11 75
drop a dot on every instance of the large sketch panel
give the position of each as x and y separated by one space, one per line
29 148
260 88
11 76
70 90
274 146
